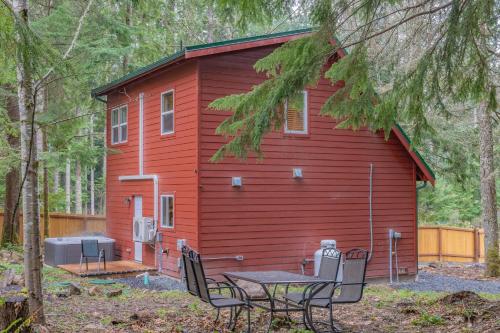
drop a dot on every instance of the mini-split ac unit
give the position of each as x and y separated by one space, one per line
144 229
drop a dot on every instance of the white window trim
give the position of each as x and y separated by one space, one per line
162 222
162 132
119 124
306 117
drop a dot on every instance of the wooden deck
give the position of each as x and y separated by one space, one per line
120 268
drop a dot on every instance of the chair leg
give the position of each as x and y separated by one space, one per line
87 263
81 262
99 264
230 322
236 315
248 320
217 317
311 320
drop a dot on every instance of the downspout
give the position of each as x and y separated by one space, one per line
418 188
370 202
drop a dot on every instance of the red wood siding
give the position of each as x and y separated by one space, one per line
276 221
172 157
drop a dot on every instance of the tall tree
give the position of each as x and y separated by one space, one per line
401 60
31 214
67 186
488 191
11 215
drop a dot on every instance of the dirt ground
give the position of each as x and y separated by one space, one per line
382 309
464 271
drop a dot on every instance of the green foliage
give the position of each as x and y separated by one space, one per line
454 67
426 320
289 69
449 204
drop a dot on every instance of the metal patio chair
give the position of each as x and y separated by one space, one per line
330 262
236 302
90 249
350 290
189 278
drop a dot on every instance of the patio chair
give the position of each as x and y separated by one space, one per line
350 290
189 278
328 269
217 300
90 249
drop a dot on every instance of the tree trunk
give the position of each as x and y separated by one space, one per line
56 176
67 186
31 212
11 218
78 178
14 309
488 192
92 171
78 187
46 221
128 16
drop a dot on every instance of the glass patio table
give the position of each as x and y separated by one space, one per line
270 280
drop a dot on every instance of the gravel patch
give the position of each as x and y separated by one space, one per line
435 282
155 283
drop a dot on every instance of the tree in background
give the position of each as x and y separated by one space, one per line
404 59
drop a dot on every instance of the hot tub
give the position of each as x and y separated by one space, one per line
67 250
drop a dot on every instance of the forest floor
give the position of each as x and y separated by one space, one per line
119 308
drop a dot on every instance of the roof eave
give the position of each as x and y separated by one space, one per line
134 75
417 158
201 50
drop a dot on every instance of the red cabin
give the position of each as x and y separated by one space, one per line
313 183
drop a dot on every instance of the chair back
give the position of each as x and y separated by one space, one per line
199 274
353 279
90 247
189 272
328 270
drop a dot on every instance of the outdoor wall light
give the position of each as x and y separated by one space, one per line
297 173
127 201
236 182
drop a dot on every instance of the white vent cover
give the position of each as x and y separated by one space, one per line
236 181
297 173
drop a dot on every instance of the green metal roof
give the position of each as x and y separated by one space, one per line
178 55
163 61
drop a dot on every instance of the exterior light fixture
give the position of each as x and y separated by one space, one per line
297 173
236 181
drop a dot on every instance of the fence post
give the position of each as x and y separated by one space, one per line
477 250
440 245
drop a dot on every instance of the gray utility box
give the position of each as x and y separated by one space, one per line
67 250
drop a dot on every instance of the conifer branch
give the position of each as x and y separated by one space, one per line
71 45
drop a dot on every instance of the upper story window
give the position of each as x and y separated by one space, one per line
167 211
296 114
167 112
119 124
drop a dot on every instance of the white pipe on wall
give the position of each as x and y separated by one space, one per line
141 134
141 175
154 178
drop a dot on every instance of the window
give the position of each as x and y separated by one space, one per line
119 124
296 114
167 211
167 112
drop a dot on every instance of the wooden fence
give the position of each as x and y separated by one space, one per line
450 244
61 225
